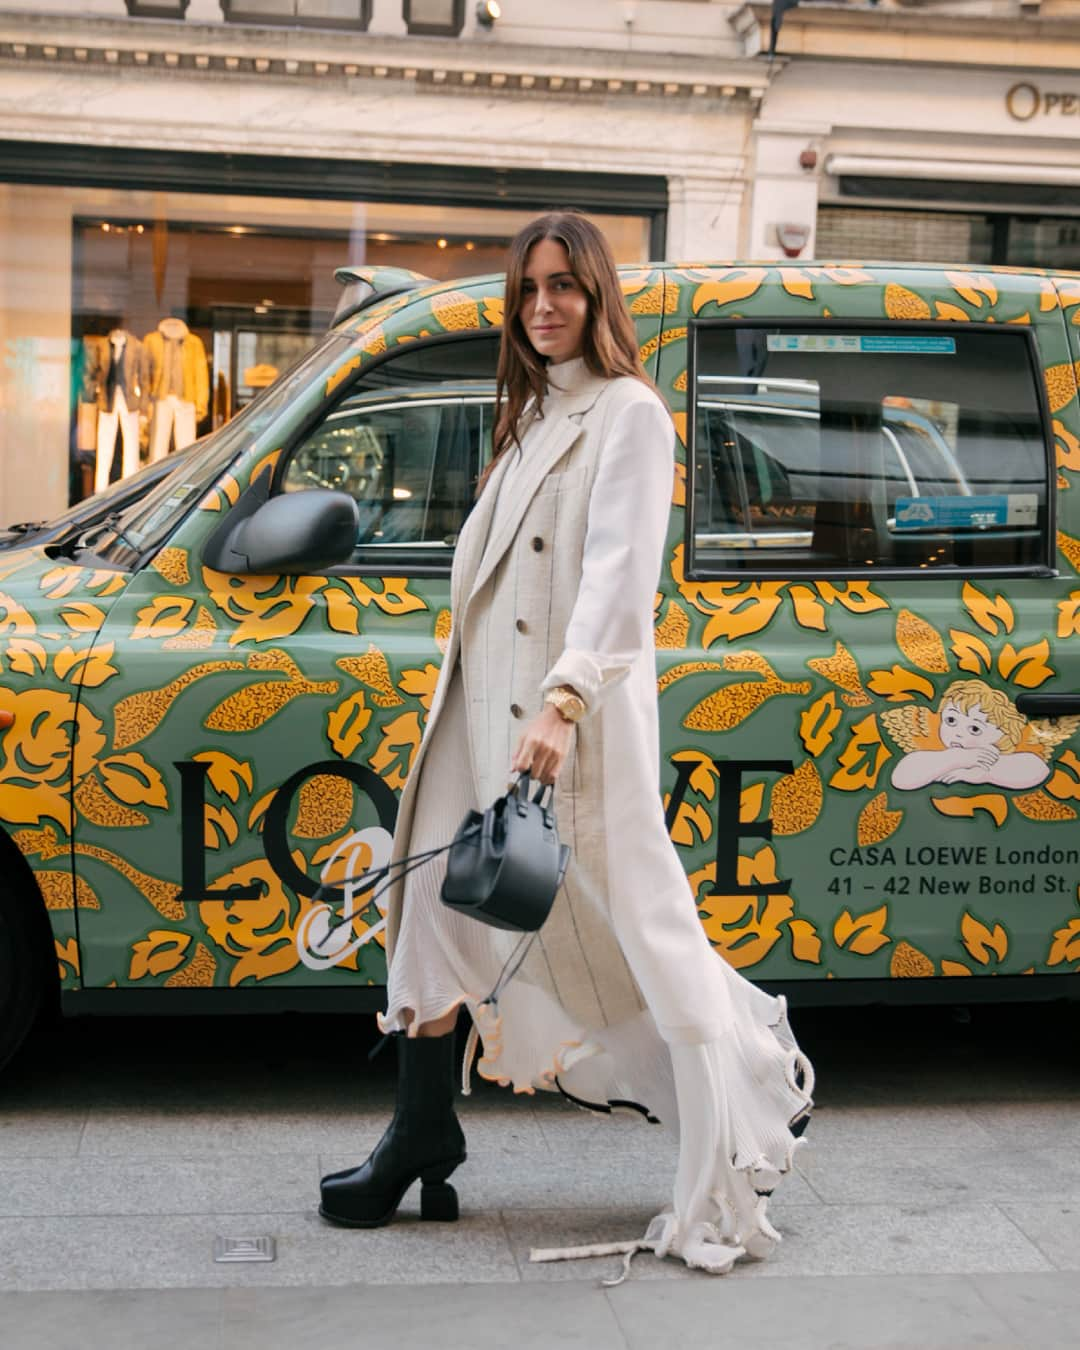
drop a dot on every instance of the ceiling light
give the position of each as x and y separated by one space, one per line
487 12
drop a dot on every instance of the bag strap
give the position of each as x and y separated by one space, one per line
385 877
543 790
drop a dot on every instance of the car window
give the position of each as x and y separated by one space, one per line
407 443
828 450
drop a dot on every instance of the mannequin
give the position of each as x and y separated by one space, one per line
179 385
124 402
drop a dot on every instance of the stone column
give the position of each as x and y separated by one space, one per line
35 337
388 18
704 214
784 191
204 11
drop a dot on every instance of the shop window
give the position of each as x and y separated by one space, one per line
179 324
306 13
1052 242
435 18
167 313
157 9
407 443
862 449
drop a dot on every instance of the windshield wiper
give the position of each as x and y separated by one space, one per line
25 527
113 522
109 522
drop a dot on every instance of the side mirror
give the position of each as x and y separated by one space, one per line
296 532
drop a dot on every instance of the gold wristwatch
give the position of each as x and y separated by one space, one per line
569 706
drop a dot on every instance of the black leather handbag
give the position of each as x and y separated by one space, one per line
505 865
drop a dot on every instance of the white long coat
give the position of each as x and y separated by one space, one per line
563 593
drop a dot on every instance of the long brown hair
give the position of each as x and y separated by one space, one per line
610 344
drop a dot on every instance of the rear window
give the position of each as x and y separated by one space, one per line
861 448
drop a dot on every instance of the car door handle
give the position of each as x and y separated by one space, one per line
1048 705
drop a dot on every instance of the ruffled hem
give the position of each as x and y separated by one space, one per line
391 1023
739 1104
487 1035
743 1103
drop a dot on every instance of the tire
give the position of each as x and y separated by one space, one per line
24 971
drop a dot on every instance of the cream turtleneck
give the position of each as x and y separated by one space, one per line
565 379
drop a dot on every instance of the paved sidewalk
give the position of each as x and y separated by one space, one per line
936 1204
868 1312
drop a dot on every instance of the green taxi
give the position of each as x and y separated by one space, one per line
867 634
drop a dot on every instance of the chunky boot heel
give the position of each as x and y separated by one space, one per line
439 1203
431 1176
423 1142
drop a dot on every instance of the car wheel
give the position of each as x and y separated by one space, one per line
24 971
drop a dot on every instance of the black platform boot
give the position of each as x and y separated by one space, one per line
423 1140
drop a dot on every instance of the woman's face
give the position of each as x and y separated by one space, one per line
554 308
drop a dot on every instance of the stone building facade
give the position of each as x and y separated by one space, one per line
943 131
209 162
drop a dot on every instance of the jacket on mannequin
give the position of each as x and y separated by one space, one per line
128 369
178 365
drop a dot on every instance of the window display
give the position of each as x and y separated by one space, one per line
179 319
139 321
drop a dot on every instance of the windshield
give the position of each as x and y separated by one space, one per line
91 509
147 522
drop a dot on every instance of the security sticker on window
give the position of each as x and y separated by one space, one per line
967 512
171 504
915 344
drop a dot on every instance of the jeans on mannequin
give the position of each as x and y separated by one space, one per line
119 420
173 418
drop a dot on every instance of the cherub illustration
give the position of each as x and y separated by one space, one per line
976 736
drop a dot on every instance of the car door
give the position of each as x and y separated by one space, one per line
868 592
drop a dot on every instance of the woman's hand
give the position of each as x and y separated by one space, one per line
544 745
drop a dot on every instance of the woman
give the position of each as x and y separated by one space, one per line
551 668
